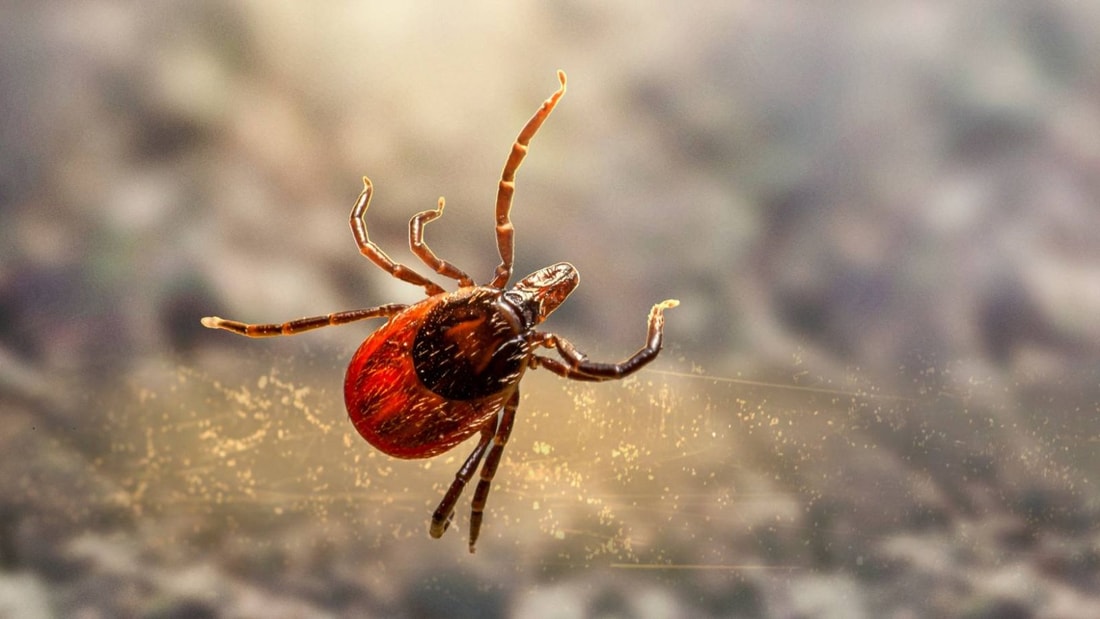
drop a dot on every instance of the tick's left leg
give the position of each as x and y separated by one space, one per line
302 324
489 469
577 365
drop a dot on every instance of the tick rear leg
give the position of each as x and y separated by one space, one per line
578 367
426 255
375 253
489 469
505 231
441 518
302 324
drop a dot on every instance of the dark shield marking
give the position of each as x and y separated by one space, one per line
467 349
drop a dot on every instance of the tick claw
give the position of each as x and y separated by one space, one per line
437 529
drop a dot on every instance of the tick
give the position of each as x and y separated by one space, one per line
448 367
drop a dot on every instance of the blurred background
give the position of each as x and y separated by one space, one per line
879 397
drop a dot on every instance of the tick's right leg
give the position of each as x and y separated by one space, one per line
301 324
375 253
441 519
505 231
426 255
489 469
577 365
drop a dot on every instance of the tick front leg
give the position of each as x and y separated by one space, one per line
489 469
507 186
578 367
375 253
302 324
441 518
426 255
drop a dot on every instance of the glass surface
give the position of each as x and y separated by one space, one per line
879 396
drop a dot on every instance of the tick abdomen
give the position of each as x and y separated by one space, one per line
434 374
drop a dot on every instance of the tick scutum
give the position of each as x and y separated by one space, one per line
469 347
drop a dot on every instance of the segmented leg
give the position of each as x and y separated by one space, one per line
302 324
426 255
578 367
505 231
375 253
489 469
441 518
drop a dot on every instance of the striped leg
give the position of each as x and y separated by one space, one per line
294 327
426 255
489 469
374 253
505 231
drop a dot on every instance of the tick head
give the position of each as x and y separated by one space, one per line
541 292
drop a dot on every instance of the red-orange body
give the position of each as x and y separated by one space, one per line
387 398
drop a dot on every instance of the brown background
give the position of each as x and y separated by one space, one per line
879 396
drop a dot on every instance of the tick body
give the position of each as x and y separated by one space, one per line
436 373
448 367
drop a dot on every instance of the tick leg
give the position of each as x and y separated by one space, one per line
375 253
426 255
578 367
441 519
562 369
489 469
302 324
505 231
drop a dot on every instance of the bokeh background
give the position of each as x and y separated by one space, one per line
879 397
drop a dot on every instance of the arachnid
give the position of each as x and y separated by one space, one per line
448 367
